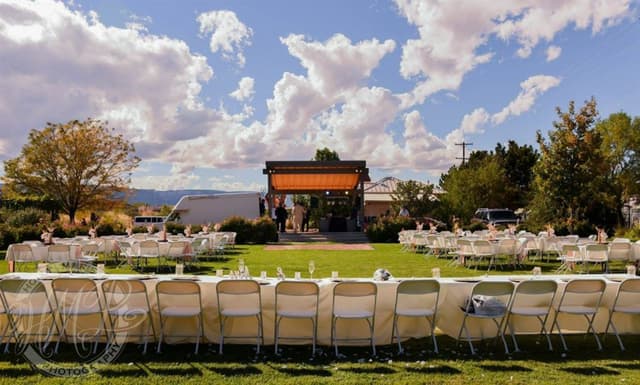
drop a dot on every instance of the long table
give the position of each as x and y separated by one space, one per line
453 293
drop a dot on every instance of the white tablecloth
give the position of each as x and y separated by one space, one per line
452 295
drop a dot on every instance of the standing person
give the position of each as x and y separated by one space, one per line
281 217
261 206
305 219
298 214
404 212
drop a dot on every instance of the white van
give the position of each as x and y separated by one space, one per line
146 220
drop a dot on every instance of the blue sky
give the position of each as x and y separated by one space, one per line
210 90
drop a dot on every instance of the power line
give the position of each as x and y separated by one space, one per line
464 150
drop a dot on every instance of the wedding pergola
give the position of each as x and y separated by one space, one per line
330 178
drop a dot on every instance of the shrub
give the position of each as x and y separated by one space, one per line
23 217
175 228
264 230
241 226
261 230
386 229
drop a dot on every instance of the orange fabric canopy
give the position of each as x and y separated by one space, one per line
306 176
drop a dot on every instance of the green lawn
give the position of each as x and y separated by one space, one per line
583 364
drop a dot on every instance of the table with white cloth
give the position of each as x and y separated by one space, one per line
41 252
449 317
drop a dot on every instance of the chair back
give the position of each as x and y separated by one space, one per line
90 249
417 294
483 246
583 292
507 246
619 251
354 296
596 252
464 247
297 295
570 251
535 293
148 247
20 252
178 248
59 253
497 291
178 293
123 294
76 295
239 294
628 294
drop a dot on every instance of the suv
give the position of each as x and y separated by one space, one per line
497 216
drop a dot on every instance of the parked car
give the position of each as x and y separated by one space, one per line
497 216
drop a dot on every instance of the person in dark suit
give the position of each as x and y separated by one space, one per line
281 217
305 219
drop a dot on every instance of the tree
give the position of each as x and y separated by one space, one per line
79 164
325 154
518 162
416 196
621 148
570 178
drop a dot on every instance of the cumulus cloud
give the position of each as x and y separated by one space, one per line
58 64
532 88
453 34
245 89
472 123
553 52
228 34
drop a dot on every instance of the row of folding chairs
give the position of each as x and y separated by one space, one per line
57 253
535 298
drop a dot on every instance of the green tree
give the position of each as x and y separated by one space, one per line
621 148
481 183
79 164
326 153
416 196
570 178
518 162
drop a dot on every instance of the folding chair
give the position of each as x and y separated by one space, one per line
499 294
179 299
481 249
20 253
27 300
354 301
77 298
128 309
297 300
509 247
581 297
60 253
597 253
569 257
464 250
627 302
149 249
416 299
532 299
239 299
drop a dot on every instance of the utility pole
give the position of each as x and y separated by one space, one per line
464 148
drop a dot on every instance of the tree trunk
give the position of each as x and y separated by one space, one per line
72 216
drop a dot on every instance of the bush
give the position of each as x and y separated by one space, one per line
25 217
175 228
386 229
261 230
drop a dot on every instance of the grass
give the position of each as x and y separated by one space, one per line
583 364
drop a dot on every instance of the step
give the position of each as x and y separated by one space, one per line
339 237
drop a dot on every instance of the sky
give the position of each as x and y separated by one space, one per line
210 90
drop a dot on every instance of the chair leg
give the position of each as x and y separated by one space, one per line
433 336
161 334
557 326
395 333
373 343
276 334
615 331
591 328
333 335
221 335
513 335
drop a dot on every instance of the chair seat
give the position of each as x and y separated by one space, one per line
627 309
180 311
121 312
353 314
578 310
240 312
530 310
297 314
76 310
415 312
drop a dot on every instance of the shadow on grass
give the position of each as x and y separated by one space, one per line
629 366
17 372
505 368
365 370
189 371
240 371
440 369
590 371
132 371
305 372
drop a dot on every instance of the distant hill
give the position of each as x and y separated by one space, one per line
159 198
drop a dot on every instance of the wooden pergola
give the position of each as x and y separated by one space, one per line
337 177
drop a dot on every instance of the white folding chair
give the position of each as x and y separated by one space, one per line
496 296
128 310
464 250
597 253
619 251
179 251
354 301
580 297
60 253
182 300
78 299
416 299
509 247
297 300
627 302
20 253
27 300
239 299
532 299
482 248
570 256
149 249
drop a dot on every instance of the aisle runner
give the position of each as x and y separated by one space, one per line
320 247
